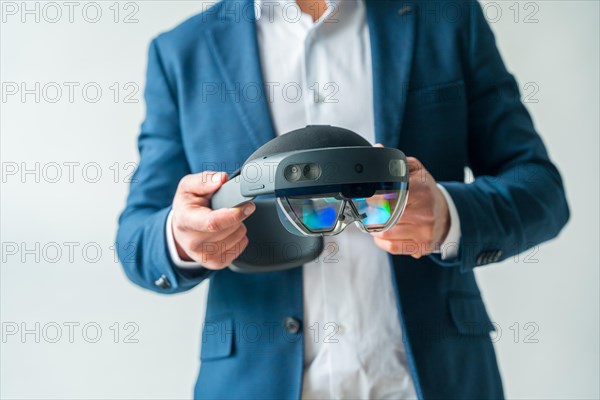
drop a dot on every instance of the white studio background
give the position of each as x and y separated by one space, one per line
545 303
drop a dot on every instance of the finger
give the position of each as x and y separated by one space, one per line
221 245
378 145
226 251
233 237
235 250
400 231
203 219
418 174
200 241
202 184
414 165
233 230
233 240
406 247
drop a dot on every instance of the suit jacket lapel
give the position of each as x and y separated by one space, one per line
234 44
392 29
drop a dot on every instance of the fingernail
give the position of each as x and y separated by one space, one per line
216 178
249 209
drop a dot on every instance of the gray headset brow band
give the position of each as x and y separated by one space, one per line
229 195
338 165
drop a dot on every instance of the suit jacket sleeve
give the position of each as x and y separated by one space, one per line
517 199
141 238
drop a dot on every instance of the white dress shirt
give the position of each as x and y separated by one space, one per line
319 73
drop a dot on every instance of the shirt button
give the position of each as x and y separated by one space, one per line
291 325
163 282
319 99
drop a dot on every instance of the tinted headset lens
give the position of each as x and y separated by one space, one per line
330 213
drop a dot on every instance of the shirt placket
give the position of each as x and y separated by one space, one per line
313 73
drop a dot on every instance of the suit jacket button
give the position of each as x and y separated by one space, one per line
497 255
480 259
487 258
163 282
291 325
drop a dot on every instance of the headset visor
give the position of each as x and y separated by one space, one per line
374 207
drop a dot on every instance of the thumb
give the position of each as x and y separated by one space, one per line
203 184
414 165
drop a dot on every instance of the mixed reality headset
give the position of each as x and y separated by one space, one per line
310 183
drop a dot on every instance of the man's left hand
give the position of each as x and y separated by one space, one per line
426 220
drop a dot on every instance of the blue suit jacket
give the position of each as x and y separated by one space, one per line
441 94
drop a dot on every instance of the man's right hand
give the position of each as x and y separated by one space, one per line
212 238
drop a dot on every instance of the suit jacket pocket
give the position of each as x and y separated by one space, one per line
217 339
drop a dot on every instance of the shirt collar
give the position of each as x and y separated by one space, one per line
268 6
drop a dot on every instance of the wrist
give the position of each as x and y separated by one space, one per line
183 256
443 218
175 253
180 252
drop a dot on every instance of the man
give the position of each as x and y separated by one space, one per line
389 315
